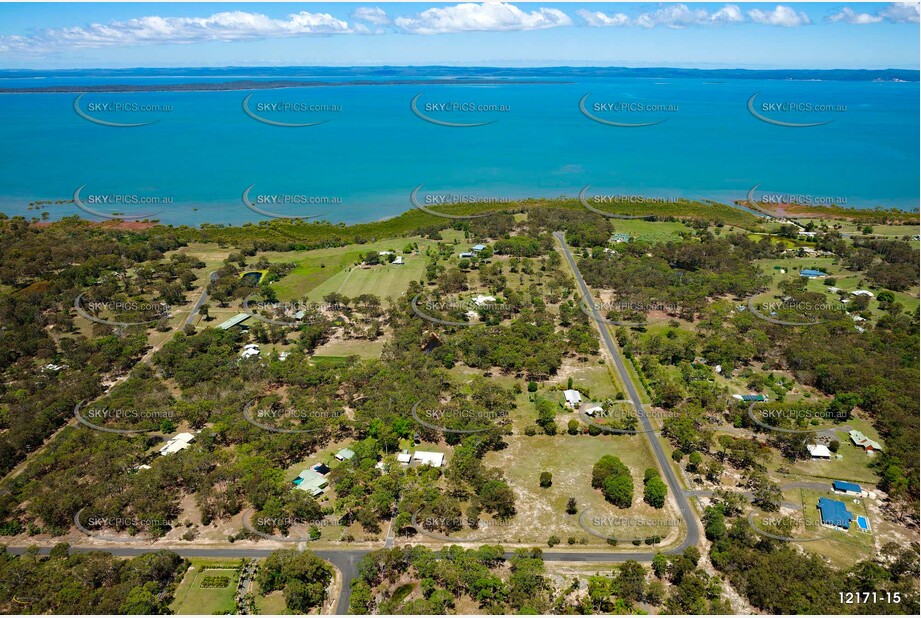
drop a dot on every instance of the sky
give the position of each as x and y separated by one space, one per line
700 35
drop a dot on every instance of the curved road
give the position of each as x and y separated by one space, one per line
684 505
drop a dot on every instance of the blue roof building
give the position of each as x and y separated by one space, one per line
846 487
754 398
477 248
835 513
809 272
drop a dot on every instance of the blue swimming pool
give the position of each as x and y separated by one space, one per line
862 522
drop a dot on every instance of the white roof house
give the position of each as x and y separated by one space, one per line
250 352
591 410
404 458
177 443
862 293
399 260
479 300
429 458
385 252
573 397
818 451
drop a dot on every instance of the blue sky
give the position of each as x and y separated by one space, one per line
718 35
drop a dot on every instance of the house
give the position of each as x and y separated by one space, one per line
429 458
818 451
479 300
807 234
870 446
593 409
345 454
862 293
477 248
405 457
399 261
311 481
835 514
466 254
250 350
573 398
752 397
234 321
833 289
300 315
619 238
177 443
845 487
811 273
385 252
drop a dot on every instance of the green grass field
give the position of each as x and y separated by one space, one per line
542 511
650 231
191 598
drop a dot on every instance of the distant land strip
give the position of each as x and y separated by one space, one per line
269 85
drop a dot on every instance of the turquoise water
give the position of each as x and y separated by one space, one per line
372 150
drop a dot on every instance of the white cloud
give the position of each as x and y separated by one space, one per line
896 13
848 16
672 16
488 16
375 15
780 16
902 12
729 14
597 19
226 26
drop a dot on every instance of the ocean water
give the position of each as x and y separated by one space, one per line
371 150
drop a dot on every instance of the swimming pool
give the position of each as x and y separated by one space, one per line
862 523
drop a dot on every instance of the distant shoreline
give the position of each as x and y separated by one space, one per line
265 85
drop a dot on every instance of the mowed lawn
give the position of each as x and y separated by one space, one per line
322 271
384 281
191 598
541 512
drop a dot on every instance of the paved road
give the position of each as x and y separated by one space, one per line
201 299
346 560
684 505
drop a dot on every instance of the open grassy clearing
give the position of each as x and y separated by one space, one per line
542 511
191 598
649 231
